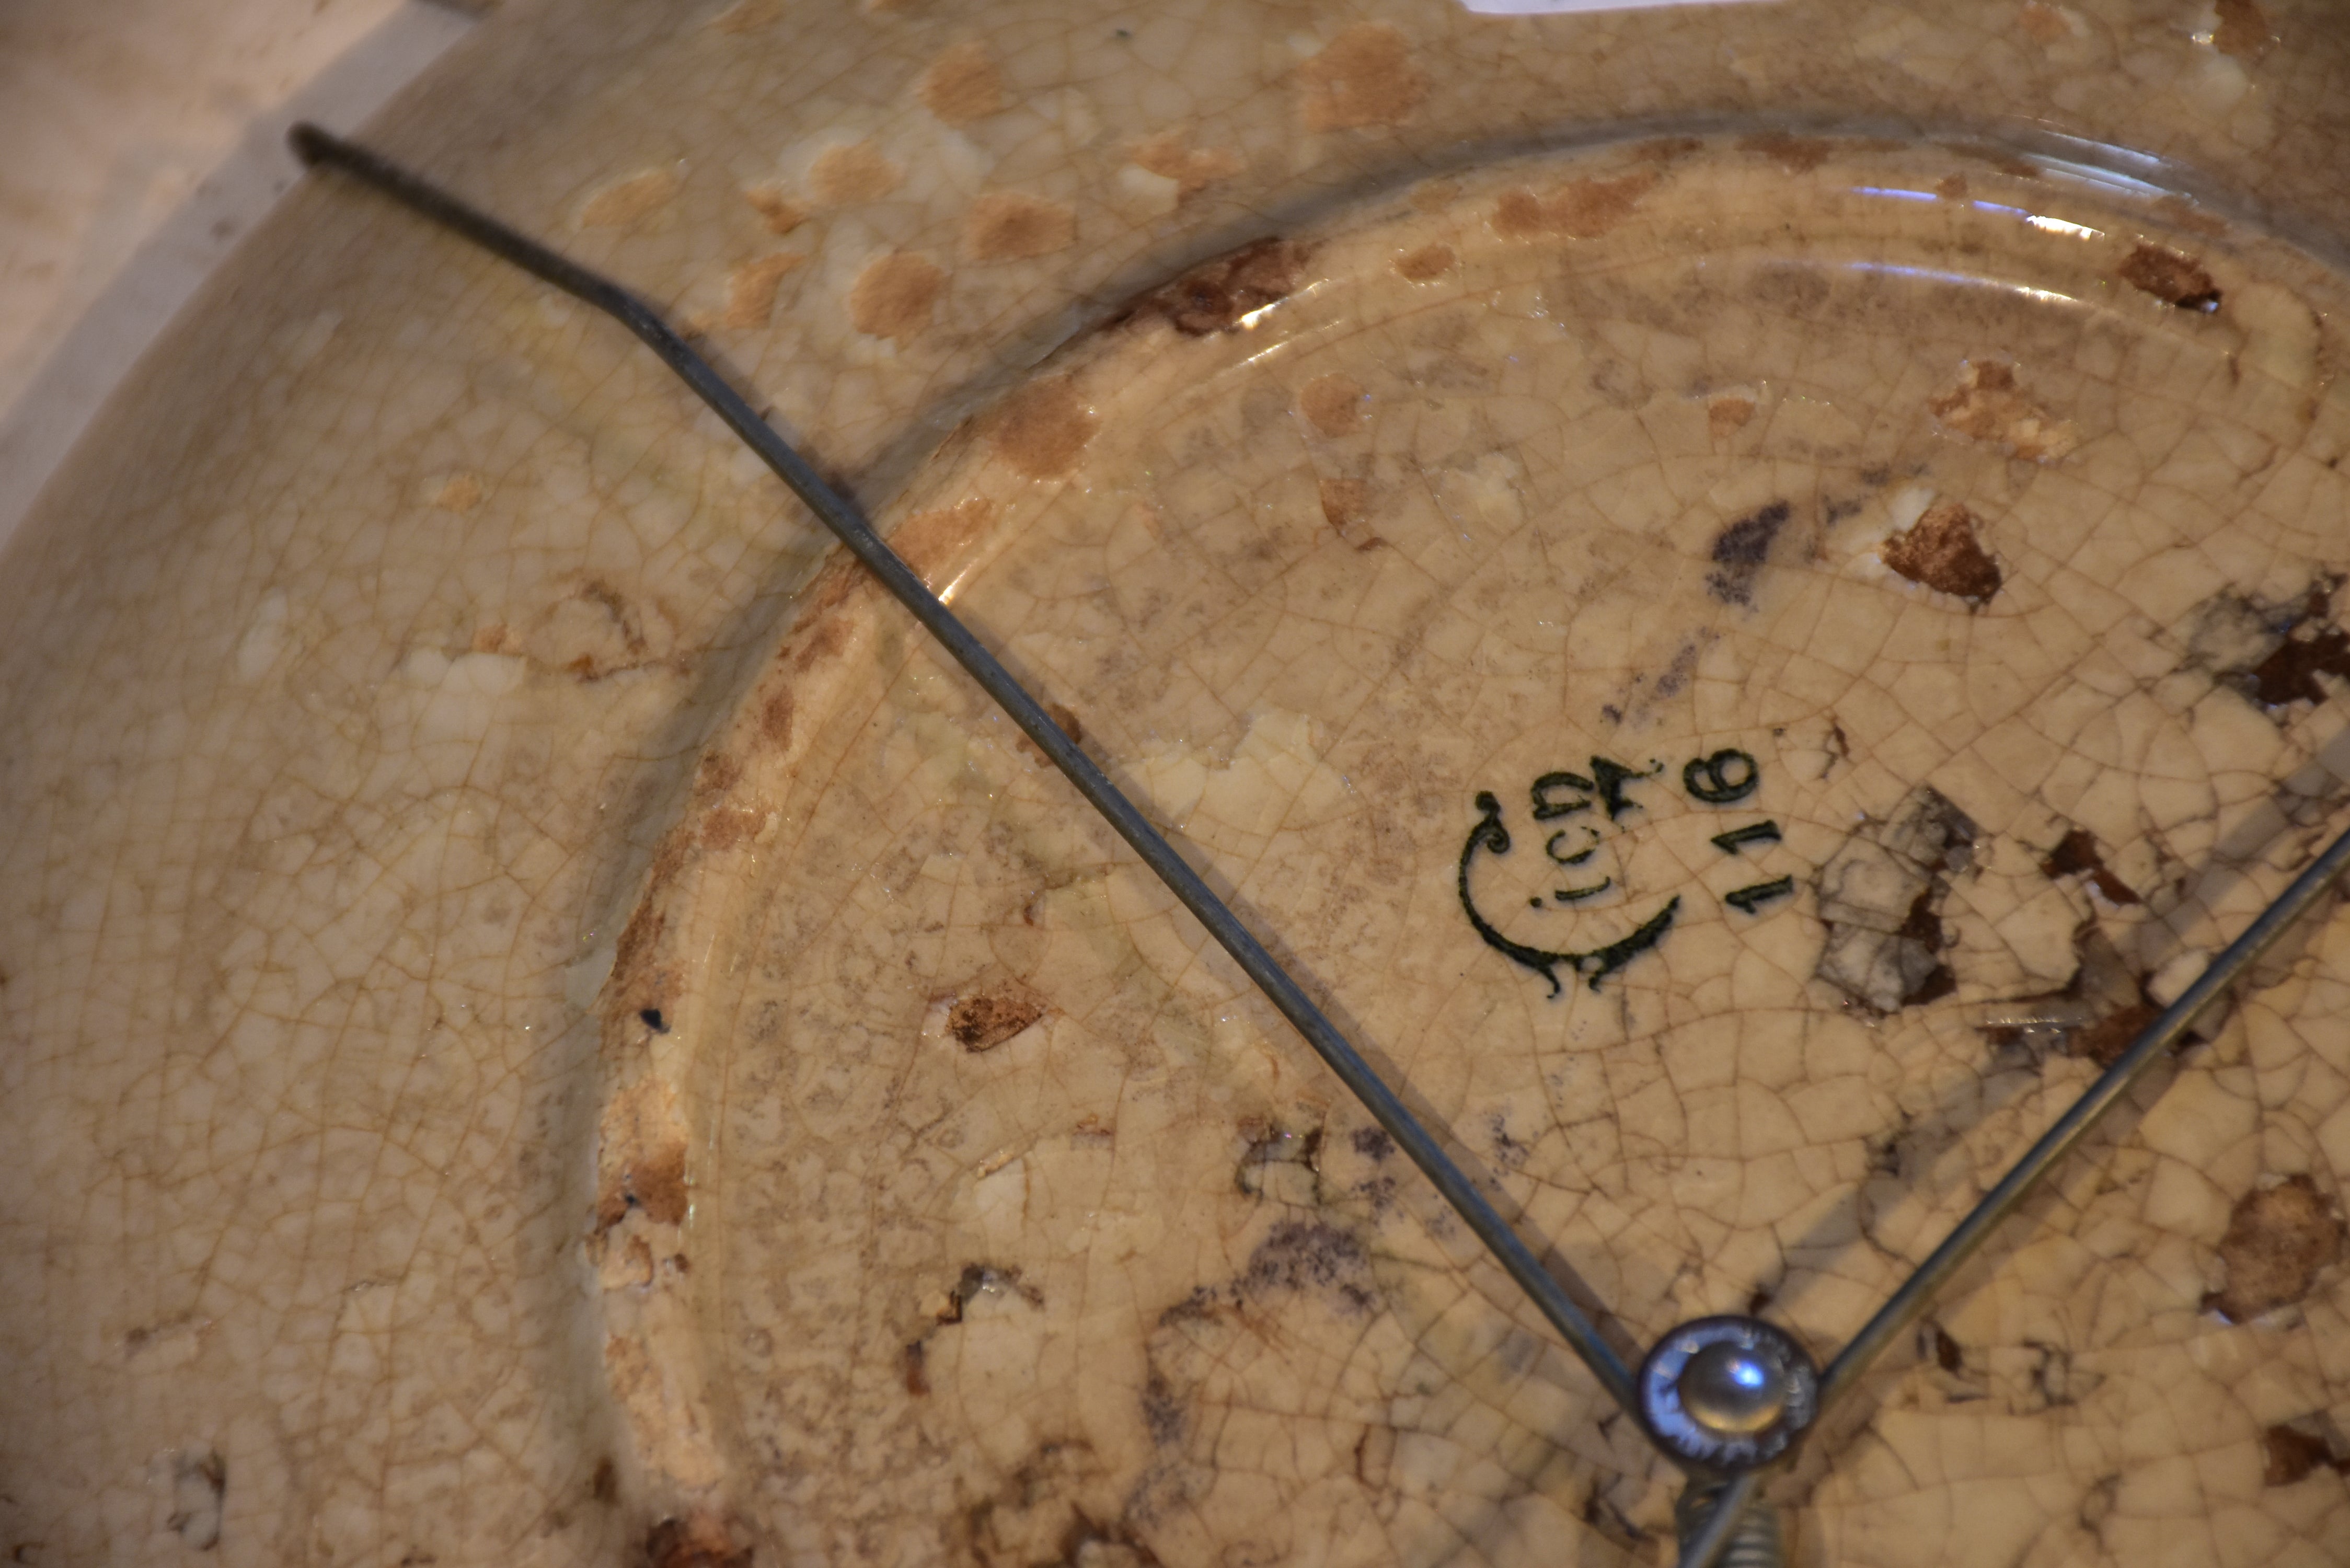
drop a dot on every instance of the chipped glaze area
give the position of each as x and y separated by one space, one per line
1851 641
361 671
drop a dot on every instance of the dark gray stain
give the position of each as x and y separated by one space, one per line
1739 552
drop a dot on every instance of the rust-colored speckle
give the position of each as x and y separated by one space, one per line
1952 188
1366 77
656 1180
641 936
1940 551
858 171
1008 225
2075 855
1986 403
1726 415
2170 278
1065 718
775 718
829 636
605 1484
929 541
779 212
2104 1041
1667 148
2244 30
750 289
1581 209
1425 264
1214 296
1170 156
2278 1241
1796 154
698 1542
630 200
917 1381
2288 1454
459 492
497 637
1332 404
730 825
963 85
1040 429
716 775
987 1019
893 296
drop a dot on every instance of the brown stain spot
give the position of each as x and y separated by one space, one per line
893 296
657 1183
2043 24
2244 30
1214 296
750 289
2075 855
494 637
963 85
2288 1454
1727 415
917 1381
986 1020
730 825
1346 506
2289 674
1940 551
605 1484
1065 718
858 171
779 212
1040 429
775 718
1796 154
1009 225
1332 404
829 636
2170 278
2104 1041
2278 1240
1985 403
630 200
717 773
1952 188
1425 264
1580 209
698 1541
927 541
1170 156
459 492
1364 77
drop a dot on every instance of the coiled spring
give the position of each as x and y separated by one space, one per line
1756 1543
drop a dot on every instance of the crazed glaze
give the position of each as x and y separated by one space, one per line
401 679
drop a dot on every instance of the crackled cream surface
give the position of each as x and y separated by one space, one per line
541 1023
1739 732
